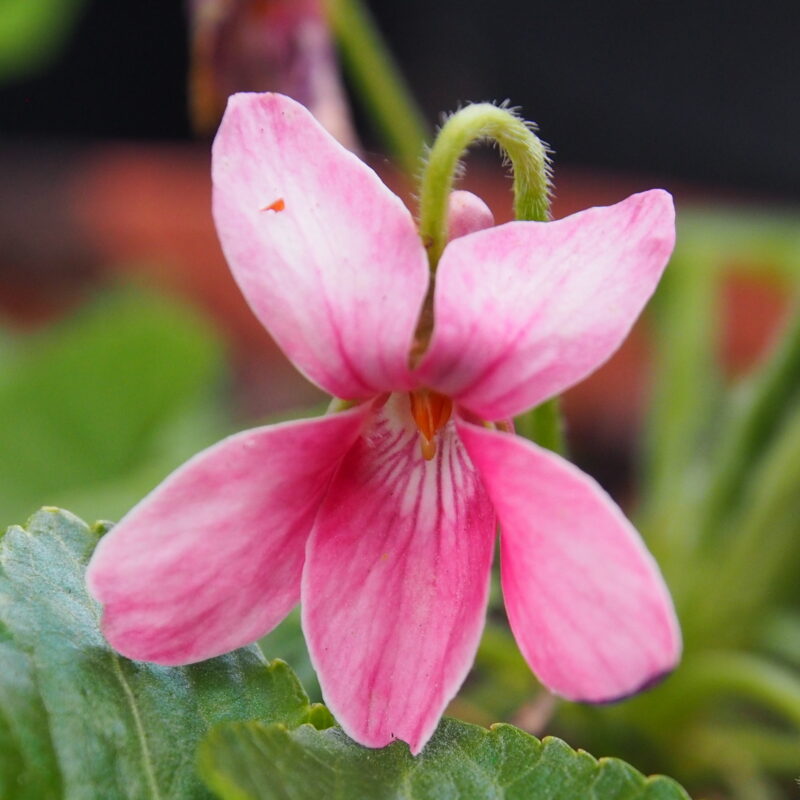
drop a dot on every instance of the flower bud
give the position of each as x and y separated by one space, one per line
265 45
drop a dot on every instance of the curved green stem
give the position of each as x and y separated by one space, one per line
379 82
474 123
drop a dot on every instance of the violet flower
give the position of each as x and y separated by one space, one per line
381 518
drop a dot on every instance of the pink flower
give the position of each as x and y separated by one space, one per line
382 518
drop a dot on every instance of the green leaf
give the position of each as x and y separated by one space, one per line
501 684
253 761
84 403
764 403
87 723
287 641
761 547
741 675
779 634
32 32
686 384
28 766
761 240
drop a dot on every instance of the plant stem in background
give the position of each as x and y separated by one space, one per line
379 82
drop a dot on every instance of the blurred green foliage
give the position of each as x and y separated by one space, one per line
32 33
97 409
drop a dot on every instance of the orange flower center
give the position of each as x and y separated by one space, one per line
431 412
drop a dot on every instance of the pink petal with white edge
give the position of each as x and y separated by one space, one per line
525 310
396 579
328 258
586 601
211 559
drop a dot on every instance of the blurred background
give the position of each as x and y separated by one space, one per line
696 90
125 346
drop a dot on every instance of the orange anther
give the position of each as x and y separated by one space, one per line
427 447
278 205
431 412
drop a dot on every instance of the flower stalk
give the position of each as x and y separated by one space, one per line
516 138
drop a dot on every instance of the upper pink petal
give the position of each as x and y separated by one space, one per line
585 600
395 582
211 559
525 310
328 258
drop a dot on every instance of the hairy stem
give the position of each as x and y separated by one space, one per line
475 123
379 82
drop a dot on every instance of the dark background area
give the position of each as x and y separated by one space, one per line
695 90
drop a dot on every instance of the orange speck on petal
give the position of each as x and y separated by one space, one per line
278 205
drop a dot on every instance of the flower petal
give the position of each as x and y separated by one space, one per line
212 558
525 310
328 258
395 582
586 601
